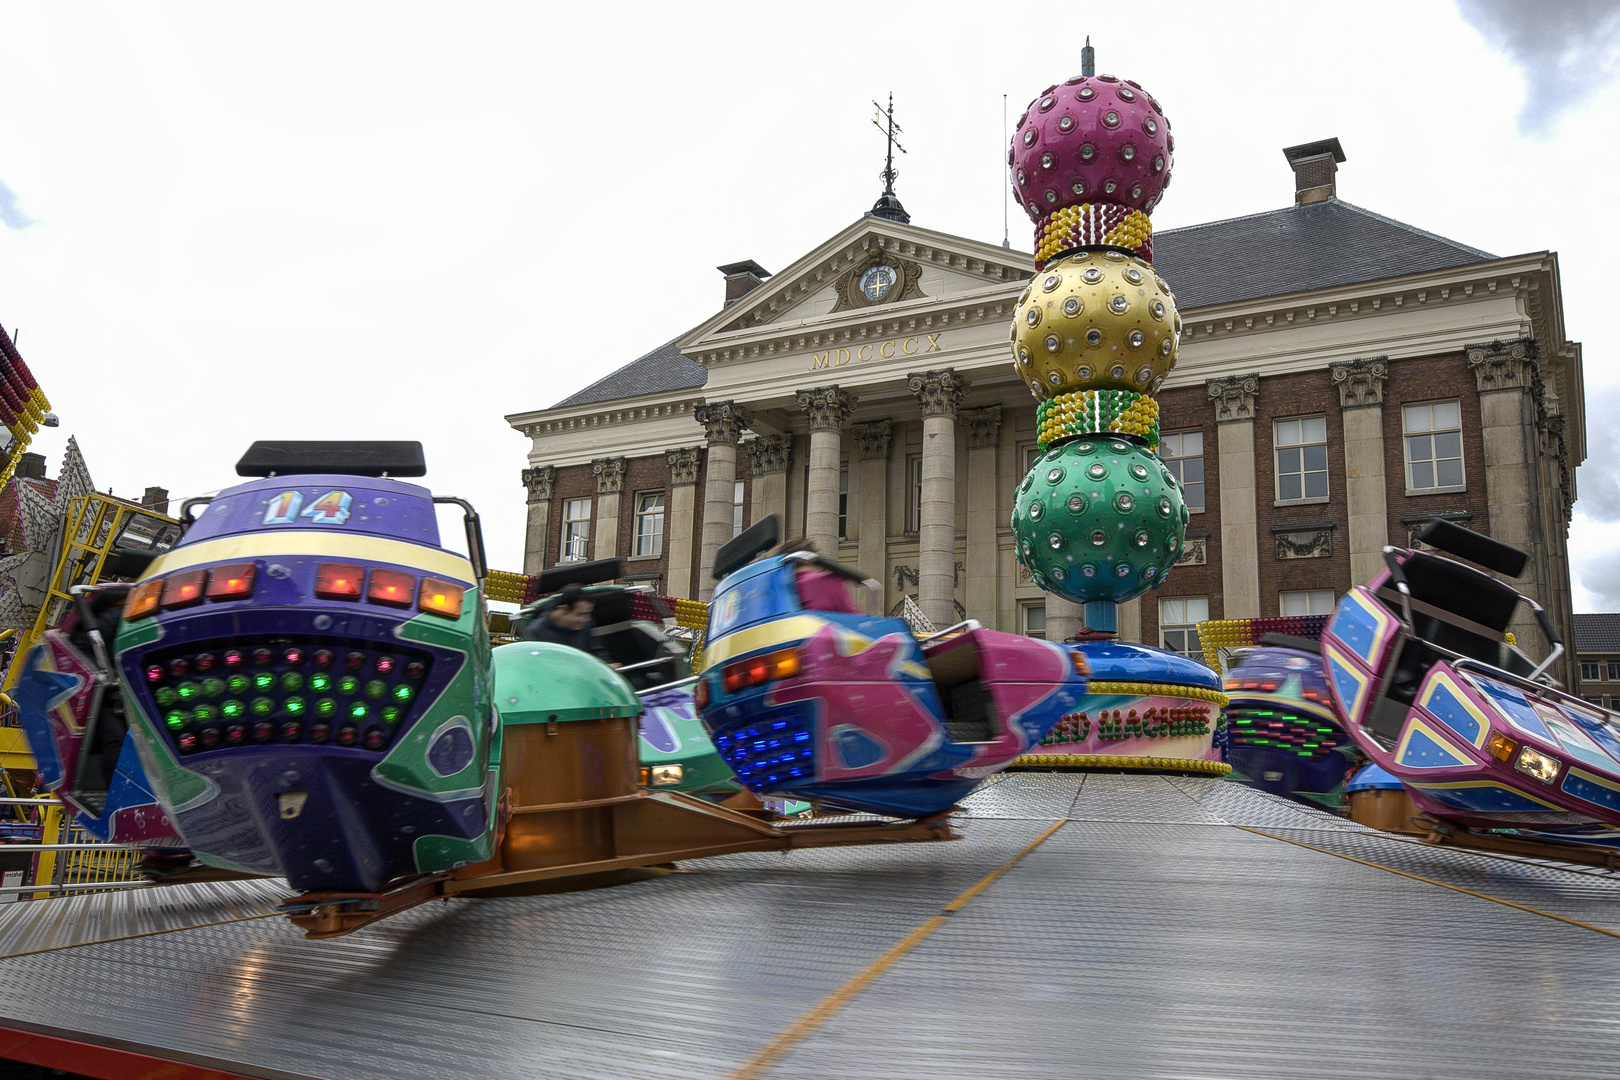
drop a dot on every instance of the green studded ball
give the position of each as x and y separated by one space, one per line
1099 519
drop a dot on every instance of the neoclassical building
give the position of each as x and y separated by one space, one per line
1343 379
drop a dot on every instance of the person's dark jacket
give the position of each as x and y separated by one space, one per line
541 628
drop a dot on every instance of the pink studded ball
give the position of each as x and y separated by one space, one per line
1095 139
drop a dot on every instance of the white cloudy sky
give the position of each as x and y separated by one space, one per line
223 222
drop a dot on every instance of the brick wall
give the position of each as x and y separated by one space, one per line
1283 397
1189 409
1433 379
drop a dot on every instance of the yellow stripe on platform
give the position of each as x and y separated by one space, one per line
801 1028
315 542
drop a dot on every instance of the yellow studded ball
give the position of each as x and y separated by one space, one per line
1099 320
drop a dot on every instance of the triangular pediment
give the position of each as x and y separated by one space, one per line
910 268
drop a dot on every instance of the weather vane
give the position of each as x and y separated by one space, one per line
884 121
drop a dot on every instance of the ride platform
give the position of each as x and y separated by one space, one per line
1089 924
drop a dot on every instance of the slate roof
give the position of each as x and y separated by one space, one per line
1295 249
664 369
1597 633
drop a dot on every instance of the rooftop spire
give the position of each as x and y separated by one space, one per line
888 205
1088 58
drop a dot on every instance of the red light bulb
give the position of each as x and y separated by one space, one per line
385 664
354 661
293 656
154 673
322 657
263 656
179 666
233 658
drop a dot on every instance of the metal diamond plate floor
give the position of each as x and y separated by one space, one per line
1170 927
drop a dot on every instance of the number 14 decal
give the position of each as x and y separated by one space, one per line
330 509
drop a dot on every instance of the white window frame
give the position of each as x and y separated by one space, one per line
1313 599
649 538
1596 669
914 488
1301 443
1178 615
1613 671
1408 435
576 531
736 508
1029 613
1174 462
843 502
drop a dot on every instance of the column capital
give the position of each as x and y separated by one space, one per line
874 439
723 421
1504 365
1361 381
683 464
609 473
1234 397
938 391
769 454
539 481
983 426
826 406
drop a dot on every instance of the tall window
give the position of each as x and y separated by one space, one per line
1183 455
914 504
1433 445
1591 672
1614 671
650 523
843 504
576 530
1178 624
736 508
1311 602
1301 458
1032 614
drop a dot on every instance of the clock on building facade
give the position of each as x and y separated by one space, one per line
879 278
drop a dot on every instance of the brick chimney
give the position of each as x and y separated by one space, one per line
1315 165
742 278
156 498
31 467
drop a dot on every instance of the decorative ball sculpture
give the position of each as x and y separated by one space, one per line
1099 519
1095 139
1096 320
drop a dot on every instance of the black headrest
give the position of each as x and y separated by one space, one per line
1475 547
122 562
1289 641
302 457
1461 590
741 549
577 573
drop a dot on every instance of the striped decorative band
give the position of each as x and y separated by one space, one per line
1097 412
1145 689
1093 225
1107 761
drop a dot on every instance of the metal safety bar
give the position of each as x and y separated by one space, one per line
964 626
676 685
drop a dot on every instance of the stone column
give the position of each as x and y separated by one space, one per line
723 422
537 531
938 393
1129 617
609 488
872 556
768 459
1064 618
1361 405
1506 374
1233 398
827 408
983 428
683 474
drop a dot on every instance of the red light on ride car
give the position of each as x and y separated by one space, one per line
440 597
182 589
392 587
700 695
758 670
143 600
339 581
231 582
